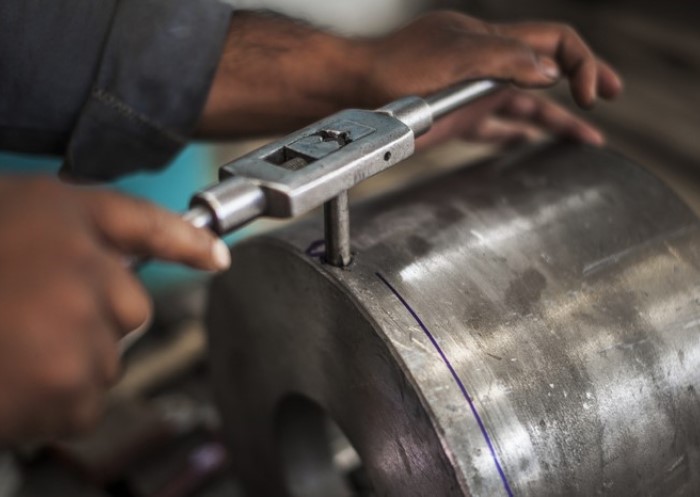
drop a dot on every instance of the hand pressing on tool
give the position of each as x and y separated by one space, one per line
66 296
276 75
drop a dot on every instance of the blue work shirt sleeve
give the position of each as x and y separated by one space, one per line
115 85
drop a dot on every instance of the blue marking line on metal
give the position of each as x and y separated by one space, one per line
457 379
316 249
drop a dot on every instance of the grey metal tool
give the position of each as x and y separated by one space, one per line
318 164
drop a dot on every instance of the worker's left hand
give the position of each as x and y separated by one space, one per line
276 75
442 48
510 117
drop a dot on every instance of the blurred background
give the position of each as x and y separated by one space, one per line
160 437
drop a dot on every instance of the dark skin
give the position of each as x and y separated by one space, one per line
66 297
262 87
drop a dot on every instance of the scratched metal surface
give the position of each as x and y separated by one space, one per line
526 327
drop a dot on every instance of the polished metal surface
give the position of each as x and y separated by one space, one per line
412 111
446 101
528 326
340 151
336 219
199 217
231 203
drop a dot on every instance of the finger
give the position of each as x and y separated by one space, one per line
610 84
503 132
563 44
126 302
78 377
82 412
134 226
133 336
107 365
504 58
551 117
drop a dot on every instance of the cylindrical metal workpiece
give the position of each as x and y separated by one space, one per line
528 326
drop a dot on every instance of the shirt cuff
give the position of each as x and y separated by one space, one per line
154 77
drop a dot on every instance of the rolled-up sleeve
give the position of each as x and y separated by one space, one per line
114 85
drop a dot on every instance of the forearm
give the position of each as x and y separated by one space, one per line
277 74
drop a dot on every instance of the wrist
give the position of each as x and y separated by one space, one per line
276 74
346 74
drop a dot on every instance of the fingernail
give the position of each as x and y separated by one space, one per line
549 68
134 335
221 255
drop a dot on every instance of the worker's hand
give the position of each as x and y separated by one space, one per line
511 117
444 48
66 296
277 74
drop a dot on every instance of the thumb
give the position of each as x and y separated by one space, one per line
135 226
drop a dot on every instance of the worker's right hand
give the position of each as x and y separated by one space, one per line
67 297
